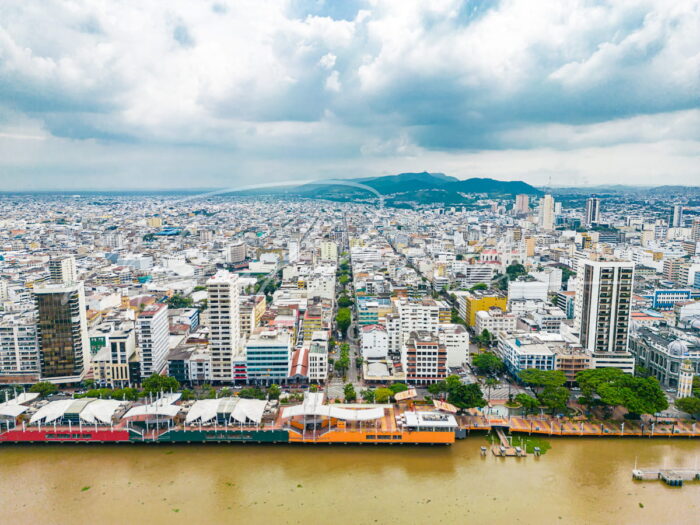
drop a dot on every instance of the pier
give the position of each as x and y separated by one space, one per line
673 477
506 449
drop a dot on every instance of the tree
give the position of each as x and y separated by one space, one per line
515 270
349 393
343 319
690 405
465 396
187 395
344 301
179 301
479 286
367 395
344 279
43 388
542 378
437 388
639 395
555 398
158 383
485 338
274 391
455 318
383 395
529 403
252 393
398 387
88 383
488 363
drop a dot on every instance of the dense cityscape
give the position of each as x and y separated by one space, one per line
160 318
358 262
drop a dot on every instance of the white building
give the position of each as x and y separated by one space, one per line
455 339
236 253
495 320
153 332
602 311
62 270
19 349
375 342
546 213
522 289
224 323
329 251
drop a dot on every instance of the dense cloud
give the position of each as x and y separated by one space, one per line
129 93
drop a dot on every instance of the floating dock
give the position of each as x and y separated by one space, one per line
673 477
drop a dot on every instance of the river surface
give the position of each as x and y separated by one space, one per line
577 481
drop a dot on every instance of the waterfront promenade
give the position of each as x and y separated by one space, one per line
571 427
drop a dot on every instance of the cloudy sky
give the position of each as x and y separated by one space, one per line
194 93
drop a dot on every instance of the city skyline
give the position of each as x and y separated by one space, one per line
221 94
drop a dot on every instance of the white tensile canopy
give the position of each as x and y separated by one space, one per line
161 407
313 406
51 411
100 411
240 410
17 405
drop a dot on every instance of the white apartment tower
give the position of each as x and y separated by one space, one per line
329 251
62 270
603 305
677 216
224 324
592 211
153 334
522 204
547 212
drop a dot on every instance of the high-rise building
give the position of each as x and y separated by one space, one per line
64 345
424 358
547 212
522 204
62 270
592 211
677 216
603 306
329 251
236 253
19 351
224 323
153 333
695 231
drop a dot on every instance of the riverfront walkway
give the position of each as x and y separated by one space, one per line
567 427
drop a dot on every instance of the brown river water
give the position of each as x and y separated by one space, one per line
577 481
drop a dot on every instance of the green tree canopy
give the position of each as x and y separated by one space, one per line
343 319
529 403
555 398
383 395
690 405
349 393
180 301
639 395
252 393
158 383
398 387
43 388
488 363
542 378
274 391
344 301
368 395
479 286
